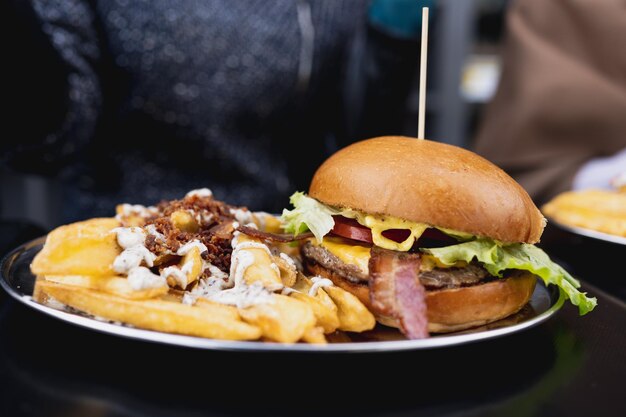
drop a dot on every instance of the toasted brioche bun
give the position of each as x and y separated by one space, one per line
428 182
451 310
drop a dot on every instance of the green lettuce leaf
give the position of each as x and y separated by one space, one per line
496 259
308 214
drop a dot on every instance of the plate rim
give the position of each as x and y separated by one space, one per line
583 231
185 341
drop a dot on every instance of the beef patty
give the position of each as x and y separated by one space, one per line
435 279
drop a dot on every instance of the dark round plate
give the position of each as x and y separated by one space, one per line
19 282
589 233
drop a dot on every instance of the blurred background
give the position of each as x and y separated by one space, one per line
131 101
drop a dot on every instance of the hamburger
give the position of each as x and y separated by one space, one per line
432 238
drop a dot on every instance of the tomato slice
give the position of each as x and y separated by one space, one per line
351 229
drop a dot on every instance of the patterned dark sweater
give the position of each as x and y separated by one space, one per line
245 97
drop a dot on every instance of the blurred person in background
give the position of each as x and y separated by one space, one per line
558 120
139 101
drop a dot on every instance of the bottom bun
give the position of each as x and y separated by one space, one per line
451 310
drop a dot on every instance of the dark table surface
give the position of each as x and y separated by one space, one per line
569 365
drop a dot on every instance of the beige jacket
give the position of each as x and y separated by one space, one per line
562 96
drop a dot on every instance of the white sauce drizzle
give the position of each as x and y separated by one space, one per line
200 192
189 299
215 271
262 217
288 259
252 245
136 209
244 217
210 286
244 295
206 217
179 275
152 231
131 258
184 250
132 240
201 216
239 262
128 237
288 290
141 278
319 282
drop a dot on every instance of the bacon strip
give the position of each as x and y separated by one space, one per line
274 237
396 291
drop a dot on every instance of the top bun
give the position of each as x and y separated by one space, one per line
428 182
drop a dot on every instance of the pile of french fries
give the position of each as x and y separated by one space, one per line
601 210
75 268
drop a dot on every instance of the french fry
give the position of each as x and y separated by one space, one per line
194 260
110 284
288 271
188 270
83 248
164 259
326 315
600 210
283 320
260 269
267 222
184 221
214 307
174 295
292 249
353 315
38 294
129 219
156 315
315 335
303 284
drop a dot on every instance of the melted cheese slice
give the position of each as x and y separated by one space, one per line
359 255
349 253
378 224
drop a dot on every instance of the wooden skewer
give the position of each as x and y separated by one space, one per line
422 88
